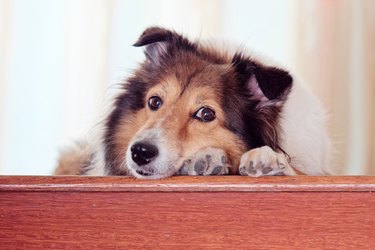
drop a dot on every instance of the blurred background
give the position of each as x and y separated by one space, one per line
60 59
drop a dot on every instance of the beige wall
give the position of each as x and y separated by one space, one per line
369 44
334 47
6 8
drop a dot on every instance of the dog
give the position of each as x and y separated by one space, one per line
193 109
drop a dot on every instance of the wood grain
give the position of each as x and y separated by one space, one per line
186 212
189 184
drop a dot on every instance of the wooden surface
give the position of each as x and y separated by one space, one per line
187 212
188 184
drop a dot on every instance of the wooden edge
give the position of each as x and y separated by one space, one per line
188 184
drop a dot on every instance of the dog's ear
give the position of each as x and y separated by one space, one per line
269 86
159 42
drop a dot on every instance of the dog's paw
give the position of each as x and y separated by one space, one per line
264 161
210 161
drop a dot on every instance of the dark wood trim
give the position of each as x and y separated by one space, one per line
188 184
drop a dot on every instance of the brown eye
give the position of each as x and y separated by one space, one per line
205 114
155 102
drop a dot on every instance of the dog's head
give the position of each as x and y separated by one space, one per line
185 97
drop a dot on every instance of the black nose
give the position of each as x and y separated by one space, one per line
143 153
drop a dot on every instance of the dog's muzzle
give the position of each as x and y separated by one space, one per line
143 153
147 157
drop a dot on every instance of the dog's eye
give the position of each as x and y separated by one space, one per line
155 102
205 114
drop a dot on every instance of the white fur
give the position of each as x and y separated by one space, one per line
304 126
304 136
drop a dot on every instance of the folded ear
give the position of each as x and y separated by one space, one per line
160 41
269 86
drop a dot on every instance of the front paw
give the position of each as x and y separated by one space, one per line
210 161
264 161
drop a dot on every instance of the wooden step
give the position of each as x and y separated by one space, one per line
231 212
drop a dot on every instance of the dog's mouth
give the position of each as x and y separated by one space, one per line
143 172
148 172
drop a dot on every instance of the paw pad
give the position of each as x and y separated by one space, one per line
264 161
210 161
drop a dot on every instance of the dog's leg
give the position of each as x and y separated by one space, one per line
264 161
210 161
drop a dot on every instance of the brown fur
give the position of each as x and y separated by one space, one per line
183 133
71 162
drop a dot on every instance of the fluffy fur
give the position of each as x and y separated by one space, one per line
264 122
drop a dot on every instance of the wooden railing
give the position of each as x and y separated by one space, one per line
230 212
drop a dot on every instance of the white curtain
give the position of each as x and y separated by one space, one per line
334 52
60 58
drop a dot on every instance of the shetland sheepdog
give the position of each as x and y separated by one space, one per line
194 109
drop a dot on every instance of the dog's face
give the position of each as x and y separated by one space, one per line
177 121
185 98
